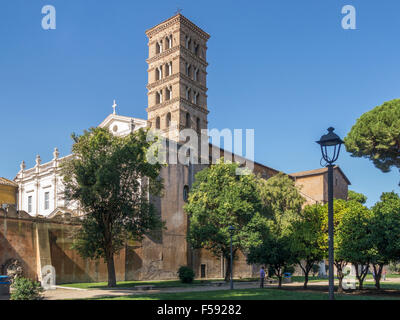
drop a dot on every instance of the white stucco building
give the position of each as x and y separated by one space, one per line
41 189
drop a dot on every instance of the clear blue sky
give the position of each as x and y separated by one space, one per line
285 68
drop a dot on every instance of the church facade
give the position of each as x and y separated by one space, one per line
177 100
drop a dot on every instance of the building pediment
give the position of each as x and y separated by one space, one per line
122 125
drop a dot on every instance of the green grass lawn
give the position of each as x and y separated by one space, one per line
156 283
247 294
171 283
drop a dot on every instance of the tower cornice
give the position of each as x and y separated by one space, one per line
178 18
177 99
174 49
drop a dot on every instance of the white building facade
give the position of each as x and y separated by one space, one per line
41 188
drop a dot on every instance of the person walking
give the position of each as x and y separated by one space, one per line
262 277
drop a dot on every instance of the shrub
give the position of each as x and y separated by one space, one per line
26 289
186 274
315 269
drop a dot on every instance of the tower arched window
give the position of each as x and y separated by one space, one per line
159 47
168 120
196 74
188 42
168 42
188 69
168 92
159 73
188 94
195 97
169 68
159 98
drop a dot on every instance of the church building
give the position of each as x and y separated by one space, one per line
177 100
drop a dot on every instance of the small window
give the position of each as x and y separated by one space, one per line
46 200
187 120
30 204
186 193
158 123
203 271
168 120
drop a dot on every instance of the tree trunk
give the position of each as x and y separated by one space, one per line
228 269
280 281
112 282
339 271
378 275
305 280
340 288
361 276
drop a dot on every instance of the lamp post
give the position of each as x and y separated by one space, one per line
330 147
231 230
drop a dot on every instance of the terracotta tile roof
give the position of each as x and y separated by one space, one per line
6 182
318 172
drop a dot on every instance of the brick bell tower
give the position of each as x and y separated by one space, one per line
177 86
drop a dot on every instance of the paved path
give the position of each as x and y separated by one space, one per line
73 293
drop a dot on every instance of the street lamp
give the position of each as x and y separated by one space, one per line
231 230
330 147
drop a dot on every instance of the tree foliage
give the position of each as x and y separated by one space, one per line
110 178
307 239
220 198
359 197
354 238
385 232
282 204
376 136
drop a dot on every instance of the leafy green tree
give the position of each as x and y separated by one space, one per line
359 197
110 178
385 233
282 204
307 239
220 198
354 238
376 136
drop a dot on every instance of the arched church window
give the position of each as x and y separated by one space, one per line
168 120
158 123
186 193
187 120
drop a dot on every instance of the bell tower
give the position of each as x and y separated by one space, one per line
177 86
